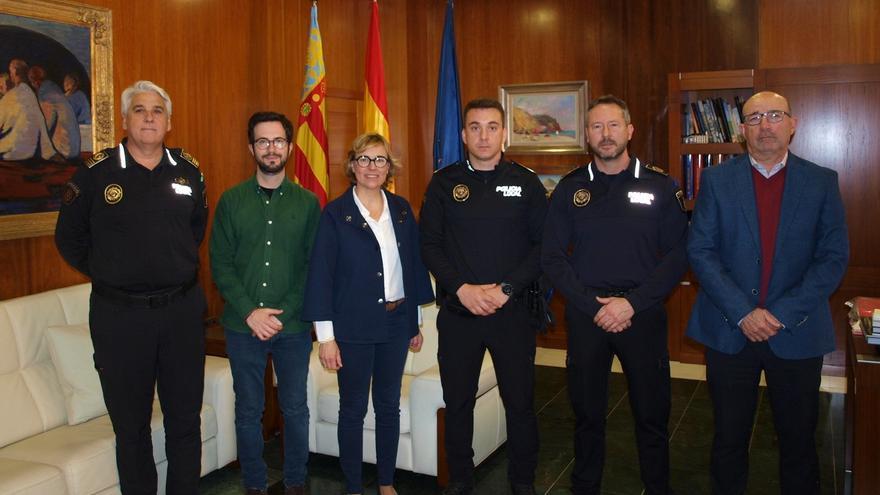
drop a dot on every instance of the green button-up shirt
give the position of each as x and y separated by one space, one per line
260 250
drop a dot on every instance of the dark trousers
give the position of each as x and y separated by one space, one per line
382 364
643 353
135 350
793 386
463 341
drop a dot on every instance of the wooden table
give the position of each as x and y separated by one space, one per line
862 415
215 345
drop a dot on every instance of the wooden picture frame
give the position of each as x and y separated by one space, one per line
42 19
545 118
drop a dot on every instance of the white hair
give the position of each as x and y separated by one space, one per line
144 87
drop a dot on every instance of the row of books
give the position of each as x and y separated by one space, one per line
712 120
692 165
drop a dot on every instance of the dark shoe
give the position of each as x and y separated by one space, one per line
295 490
522 489
254 491
458 489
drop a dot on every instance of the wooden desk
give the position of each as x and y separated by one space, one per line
215 345
862 415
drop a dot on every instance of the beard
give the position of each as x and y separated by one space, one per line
614 154
268 168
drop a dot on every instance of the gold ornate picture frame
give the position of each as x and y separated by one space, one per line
545 118
56 16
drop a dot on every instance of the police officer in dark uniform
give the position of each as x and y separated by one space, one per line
132 221
614 246
481 227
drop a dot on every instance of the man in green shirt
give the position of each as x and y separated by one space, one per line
260 244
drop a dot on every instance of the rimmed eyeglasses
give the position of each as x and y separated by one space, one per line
364 161
772 116
263 143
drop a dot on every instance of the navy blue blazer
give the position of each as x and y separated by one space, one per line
724 249
345 283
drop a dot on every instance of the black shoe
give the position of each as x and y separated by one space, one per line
522 489
254 491
458 489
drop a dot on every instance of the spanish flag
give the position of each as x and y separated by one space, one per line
310 156
375 102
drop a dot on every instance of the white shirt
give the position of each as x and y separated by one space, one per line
773 170
392 271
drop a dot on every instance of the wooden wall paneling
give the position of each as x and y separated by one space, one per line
836 108
799 33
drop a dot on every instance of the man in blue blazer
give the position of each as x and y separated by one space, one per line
768 245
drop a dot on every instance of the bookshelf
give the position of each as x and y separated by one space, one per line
687 88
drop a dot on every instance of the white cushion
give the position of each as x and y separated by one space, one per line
70 347
328 406
29 478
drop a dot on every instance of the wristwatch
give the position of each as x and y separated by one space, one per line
506 289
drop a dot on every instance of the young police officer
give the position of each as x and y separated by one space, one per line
481 227
625 223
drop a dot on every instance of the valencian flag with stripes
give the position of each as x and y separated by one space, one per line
310 155
375 102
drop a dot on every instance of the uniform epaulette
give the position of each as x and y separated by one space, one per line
572 171
518 164
191 159
97 158
655 169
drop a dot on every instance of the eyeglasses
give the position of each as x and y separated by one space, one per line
772 116
263 143
364 161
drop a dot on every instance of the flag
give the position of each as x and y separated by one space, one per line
310 154
448 147
375 102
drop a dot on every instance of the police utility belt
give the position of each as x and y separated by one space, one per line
157 300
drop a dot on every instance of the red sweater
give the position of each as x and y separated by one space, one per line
768 199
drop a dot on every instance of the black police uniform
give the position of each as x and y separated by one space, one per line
136 233
627 234
485 227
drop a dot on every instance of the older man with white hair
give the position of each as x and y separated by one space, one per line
132 219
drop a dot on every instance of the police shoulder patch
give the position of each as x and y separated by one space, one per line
97 158
191 159
655 169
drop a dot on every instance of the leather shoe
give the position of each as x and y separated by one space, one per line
254 491
458 489
522 489
295 490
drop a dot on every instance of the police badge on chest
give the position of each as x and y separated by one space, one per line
180 185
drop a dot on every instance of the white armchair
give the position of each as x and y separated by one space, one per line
421 397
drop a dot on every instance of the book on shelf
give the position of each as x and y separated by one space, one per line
716 119
692 166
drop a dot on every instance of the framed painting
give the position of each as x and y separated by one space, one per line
545 117
56 105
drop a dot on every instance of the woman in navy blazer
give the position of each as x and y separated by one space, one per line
366 282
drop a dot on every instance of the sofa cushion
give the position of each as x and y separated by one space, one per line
85 452
328 406
70 347
29 478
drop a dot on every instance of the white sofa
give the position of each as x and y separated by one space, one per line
421 397
55 436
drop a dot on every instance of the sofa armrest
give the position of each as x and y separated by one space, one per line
220 395
425 398
318 379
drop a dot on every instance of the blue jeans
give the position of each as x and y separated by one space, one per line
290 357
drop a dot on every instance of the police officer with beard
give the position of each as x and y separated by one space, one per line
132 220
481 227
614 246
